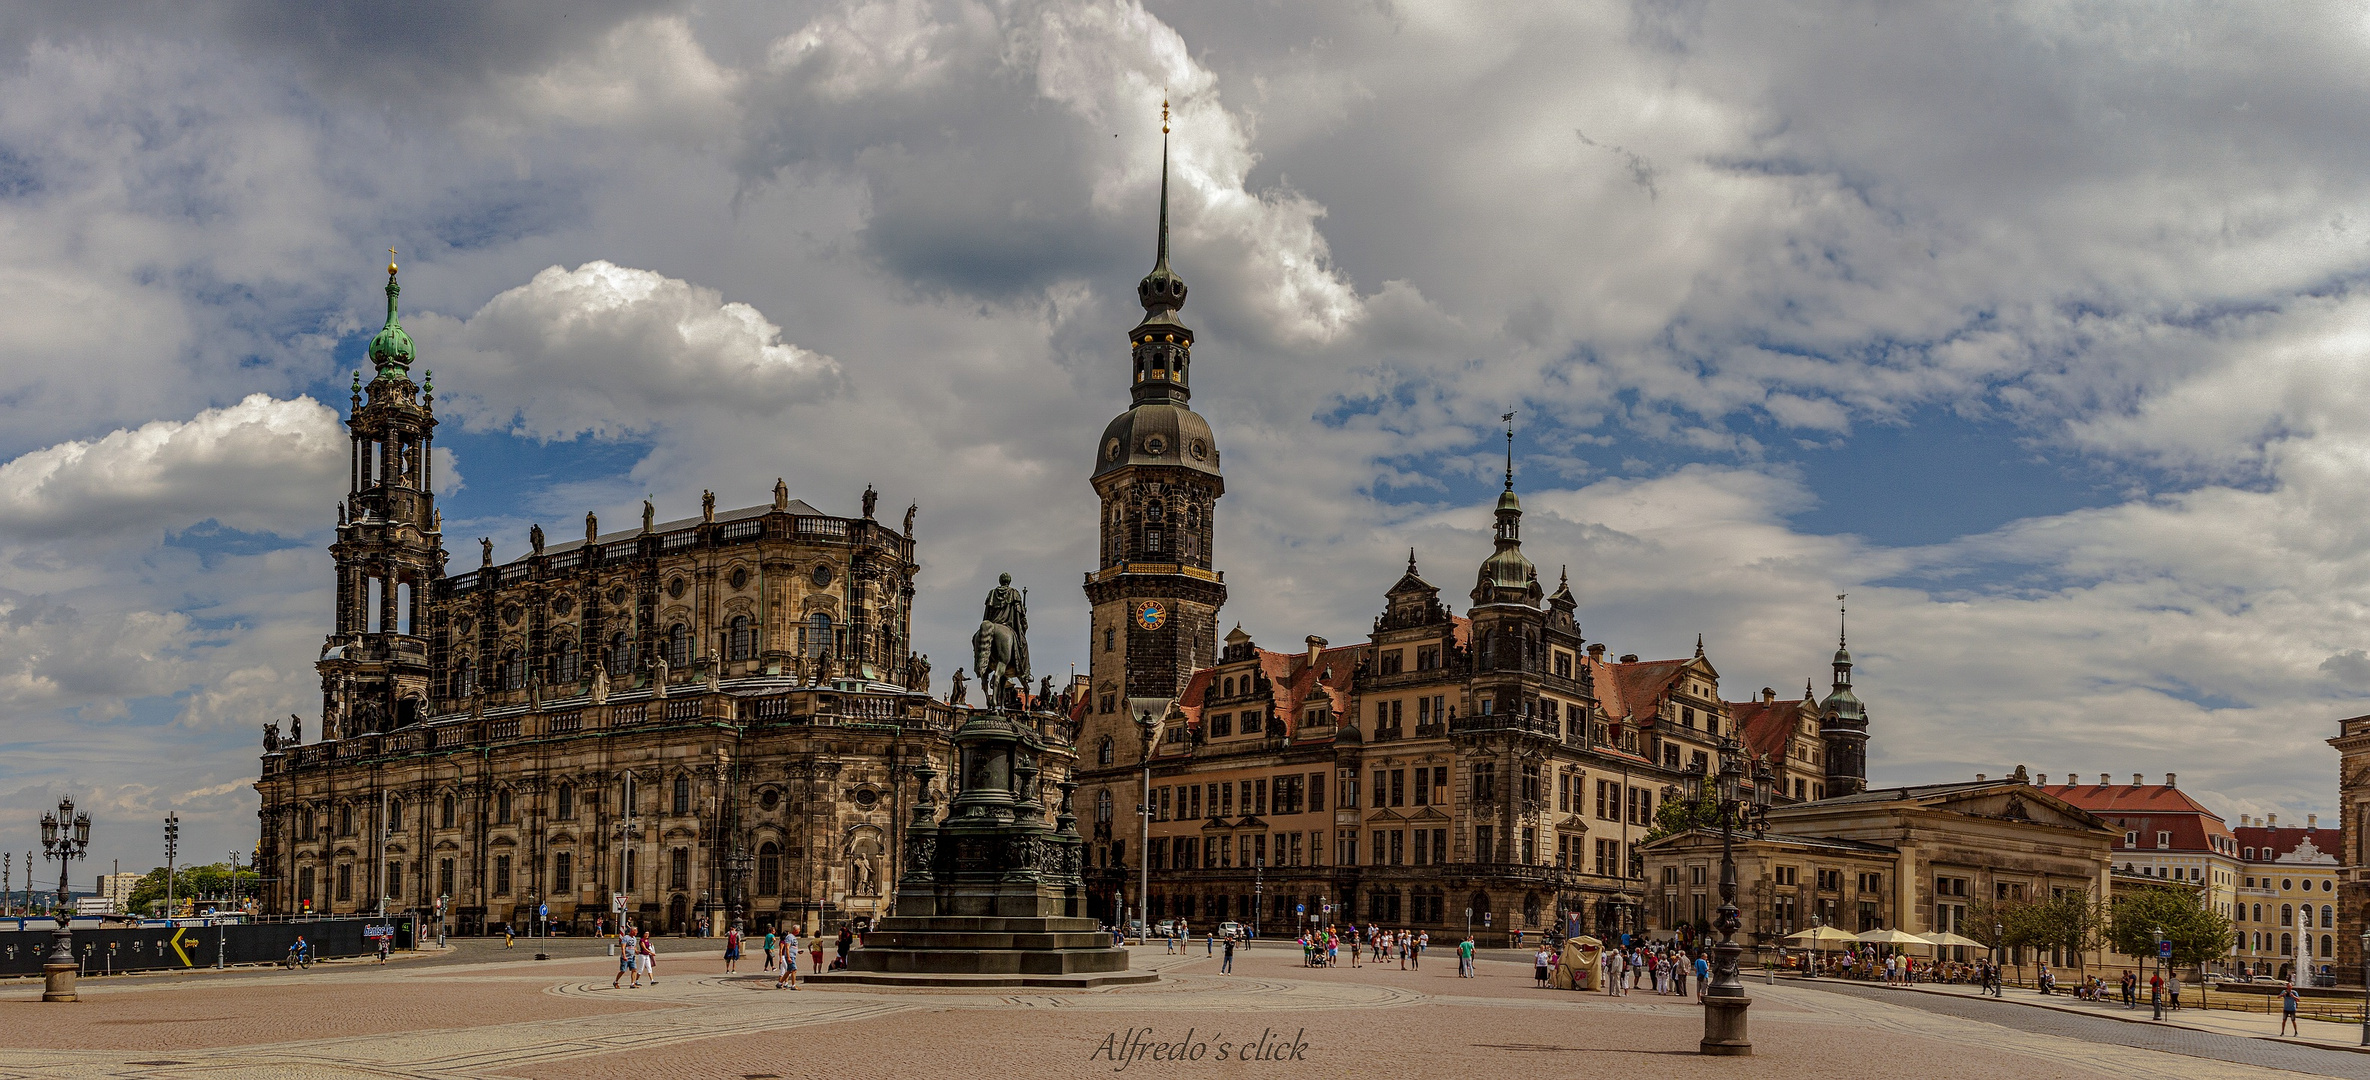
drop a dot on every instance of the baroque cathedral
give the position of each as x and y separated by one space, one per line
666 722
722 717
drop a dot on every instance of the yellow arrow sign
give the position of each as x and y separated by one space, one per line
176 944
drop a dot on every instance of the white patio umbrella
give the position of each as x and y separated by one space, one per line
1894 937
1947 939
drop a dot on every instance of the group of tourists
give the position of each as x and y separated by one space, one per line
1663 969
637 958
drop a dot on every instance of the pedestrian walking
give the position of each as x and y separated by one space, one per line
1465 958
769 952
847 940
508 939
628 963
788 978
1703 976
2131 990
649 959
732 949
2173 989
2287 1011
1539 963
1210 947
815 950
1226 966
1423 940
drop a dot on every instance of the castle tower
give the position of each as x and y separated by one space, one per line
1844 728
374 666
1154 596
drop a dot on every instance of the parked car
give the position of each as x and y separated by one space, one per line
1230 929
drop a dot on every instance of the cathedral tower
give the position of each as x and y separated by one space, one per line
374 666
1155 598
1844 728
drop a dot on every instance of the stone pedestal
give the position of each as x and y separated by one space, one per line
58 968
1724 1032
991 896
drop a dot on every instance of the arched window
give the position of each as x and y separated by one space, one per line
1102 806
394 814
2287 944
564 801
678 646
1228 687
1104 752
2327 943
2328 918
502 807
741 639
2287 916
514 670
345 819
567 662
621 655
682 795
1110 639
446 813
464 678
2258 908
818 634
769 869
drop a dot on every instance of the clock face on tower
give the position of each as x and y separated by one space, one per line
1150 615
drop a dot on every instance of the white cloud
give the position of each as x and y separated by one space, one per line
609 350
262 465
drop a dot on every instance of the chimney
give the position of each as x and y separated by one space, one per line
1978 778
2104 780
2168 780
1629 658
2042 779
2272 821
1768 695
1596 651
1315 645
2135 780
2312 821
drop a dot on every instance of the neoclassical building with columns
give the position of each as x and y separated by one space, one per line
679 719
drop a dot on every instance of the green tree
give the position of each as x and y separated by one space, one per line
2136 922
211 880
1682 814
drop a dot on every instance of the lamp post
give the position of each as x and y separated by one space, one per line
741 862
1258 893
65 836
1724 1003
172 849
1999 935
1145 727
2156 993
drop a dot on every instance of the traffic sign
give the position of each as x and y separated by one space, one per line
617 903
1300 909
543 910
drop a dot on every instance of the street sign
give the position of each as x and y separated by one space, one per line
543 910
378 931
1300 909
617 903
2164 950
1485 918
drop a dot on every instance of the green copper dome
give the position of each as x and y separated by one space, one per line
391 350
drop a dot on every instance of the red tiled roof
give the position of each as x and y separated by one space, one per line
1766 726
1292 682
1629 693
2273 842
2147 809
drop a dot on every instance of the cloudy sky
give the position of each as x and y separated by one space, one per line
2037 328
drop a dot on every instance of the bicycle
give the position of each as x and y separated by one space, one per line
297 958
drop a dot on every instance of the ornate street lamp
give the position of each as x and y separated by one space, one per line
1724 1003
65 836
1146 727
741 862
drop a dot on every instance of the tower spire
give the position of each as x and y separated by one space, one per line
391 349
1162 260
1509 419
1840 614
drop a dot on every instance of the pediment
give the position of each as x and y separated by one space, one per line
2021 804
678 832
1429 813
1386 814
1571 823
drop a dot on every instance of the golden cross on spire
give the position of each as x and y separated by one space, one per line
390 262
1164 116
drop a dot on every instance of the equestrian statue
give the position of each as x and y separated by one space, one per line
1000 647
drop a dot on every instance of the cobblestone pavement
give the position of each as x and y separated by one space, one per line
2169 1038
475 1012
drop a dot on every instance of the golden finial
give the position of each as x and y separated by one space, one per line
390 262
1164 116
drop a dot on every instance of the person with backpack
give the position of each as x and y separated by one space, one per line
732 948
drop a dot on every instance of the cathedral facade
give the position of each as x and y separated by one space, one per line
676 721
